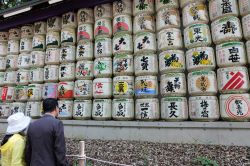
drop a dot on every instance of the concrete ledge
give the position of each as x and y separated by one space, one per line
223 133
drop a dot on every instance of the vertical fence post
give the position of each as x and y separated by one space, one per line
82 154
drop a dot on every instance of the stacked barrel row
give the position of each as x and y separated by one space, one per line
233 77
98 53
202 82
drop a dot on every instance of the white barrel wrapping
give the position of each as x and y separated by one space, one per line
204 108
84 69
147 109
102 109
82 109
65 109
174 108
173 84
172 61
123 64
102 88
83 89
123 109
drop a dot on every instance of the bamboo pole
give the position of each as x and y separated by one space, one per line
82 154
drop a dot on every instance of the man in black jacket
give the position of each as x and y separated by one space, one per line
45 138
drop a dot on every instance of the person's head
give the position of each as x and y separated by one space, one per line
17 123
51 106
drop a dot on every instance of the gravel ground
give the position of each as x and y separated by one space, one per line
160 154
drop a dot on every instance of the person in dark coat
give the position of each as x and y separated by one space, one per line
45 138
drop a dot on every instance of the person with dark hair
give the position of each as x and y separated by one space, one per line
45 144
13 143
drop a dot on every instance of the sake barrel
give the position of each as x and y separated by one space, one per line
54 23
22 77
84 50
65 109
67 72
122 24
167 18
123 109
84 69
146 64
67 54
122 7
204 108
202 82
14 34
246 26
144 22
221 8
172 61
37 59
85 32
53 39
183 3
50 90
2 78
83 89
40 28
103 67
12 62
200 58
169 39
102 109
68 36
195 13
4 36
123 64
24 61
173 84
25 45
85 15
2 63
39 42
197 35
102 88
235 107
3 48
27 31
21 93
52 56
166 4
17 107
65 90
82 109
146 86
103 28
13 47
69 20
5 110
244 7
103 11
8 93
147 109
174 108
103 47
231 54
147 6
36 75
144 42
9 77
233 80
122 43
33 109
123 87
51 73
226 29
35 92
